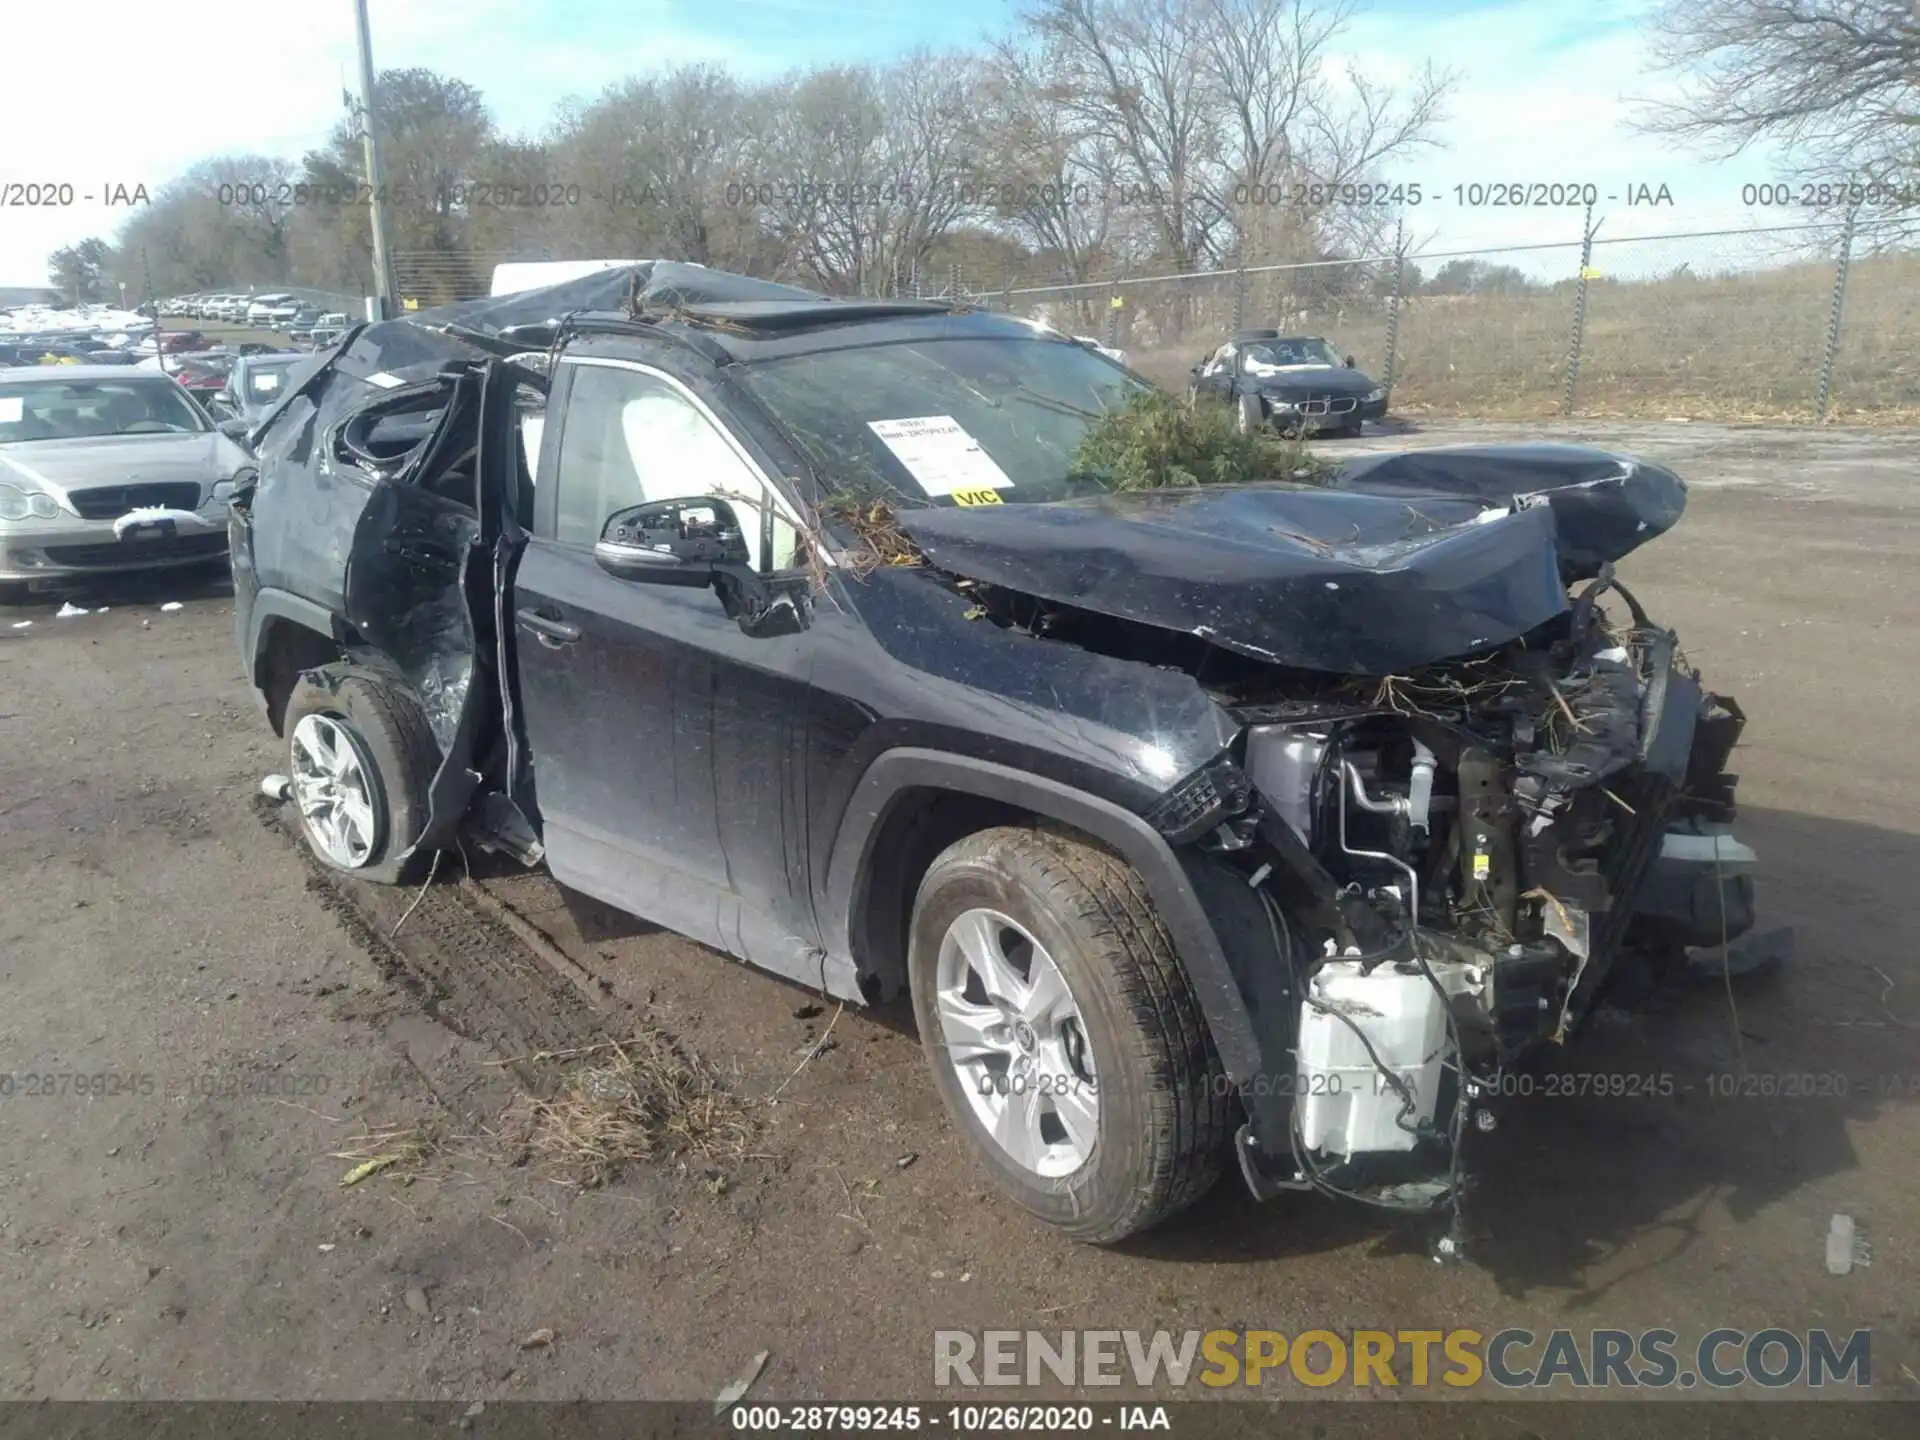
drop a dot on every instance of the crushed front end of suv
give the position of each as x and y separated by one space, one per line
1257 827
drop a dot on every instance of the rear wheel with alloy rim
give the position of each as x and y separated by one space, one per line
1063 1034
360 756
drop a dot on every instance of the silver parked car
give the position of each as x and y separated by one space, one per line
255 384
105 469
329 328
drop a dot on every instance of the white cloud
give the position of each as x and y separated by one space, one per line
156 95
1546 93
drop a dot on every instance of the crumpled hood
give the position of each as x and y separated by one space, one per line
1330 578
1308 380
1608 503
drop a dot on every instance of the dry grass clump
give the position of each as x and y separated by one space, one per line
877 530
397 1151
633 1100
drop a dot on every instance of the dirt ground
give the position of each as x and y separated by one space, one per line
172 1222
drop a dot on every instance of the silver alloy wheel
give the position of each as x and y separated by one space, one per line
332 789
1017 1044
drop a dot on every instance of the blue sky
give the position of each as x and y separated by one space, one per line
1544 92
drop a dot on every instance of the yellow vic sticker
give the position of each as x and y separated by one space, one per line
977 497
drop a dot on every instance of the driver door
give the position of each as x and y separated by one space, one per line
1216 381
666 744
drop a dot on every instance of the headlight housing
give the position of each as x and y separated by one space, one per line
1379 392
223 489
17 503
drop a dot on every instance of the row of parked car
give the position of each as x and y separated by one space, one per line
299 320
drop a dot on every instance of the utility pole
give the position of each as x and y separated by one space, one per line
386 294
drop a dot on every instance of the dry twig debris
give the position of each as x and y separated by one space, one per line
634 1100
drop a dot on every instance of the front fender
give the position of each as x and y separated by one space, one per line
894 773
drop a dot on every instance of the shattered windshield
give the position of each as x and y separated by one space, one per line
1268 355
80 409
958 422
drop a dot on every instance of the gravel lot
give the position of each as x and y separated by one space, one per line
182 1232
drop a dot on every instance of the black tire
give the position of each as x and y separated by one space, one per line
1165 1105
392 734
1252 415
15 592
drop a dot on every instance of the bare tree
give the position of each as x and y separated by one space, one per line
80 271
434 131
1132 73
1052 179
225 221
1207 99
1836 83
654 158
1215 111
1105 136
858 171
933 143
1263 59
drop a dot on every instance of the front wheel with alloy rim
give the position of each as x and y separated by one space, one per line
1063 1034
360 757
1250 417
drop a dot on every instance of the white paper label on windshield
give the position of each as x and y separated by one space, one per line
941 456
11 408
266 380
384 380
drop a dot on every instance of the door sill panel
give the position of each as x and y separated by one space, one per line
593 862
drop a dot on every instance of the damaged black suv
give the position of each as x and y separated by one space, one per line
1256 827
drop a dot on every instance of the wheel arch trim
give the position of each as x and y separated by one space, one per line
270 605
897 771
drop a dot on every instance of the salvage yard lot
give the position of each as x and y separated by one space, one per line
179 1228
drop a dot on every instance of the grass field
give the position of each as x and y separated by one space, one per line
1736 346
1726 347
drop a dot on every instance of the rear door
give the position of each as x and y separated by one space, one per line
666 744
419 574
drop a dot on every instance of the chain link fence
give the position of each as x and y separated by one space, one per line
1773 324
1800 322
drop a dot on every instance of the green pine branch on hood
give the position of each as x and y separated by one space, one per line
1157 442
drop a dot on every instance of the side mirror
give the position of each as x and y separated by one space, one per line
234 428
697 543
672 542
1349 362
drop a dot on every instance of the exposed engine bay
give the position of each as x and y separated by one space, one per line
1455 861
1451 860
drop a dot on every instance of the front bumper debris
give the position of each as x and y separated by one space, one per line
51 550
